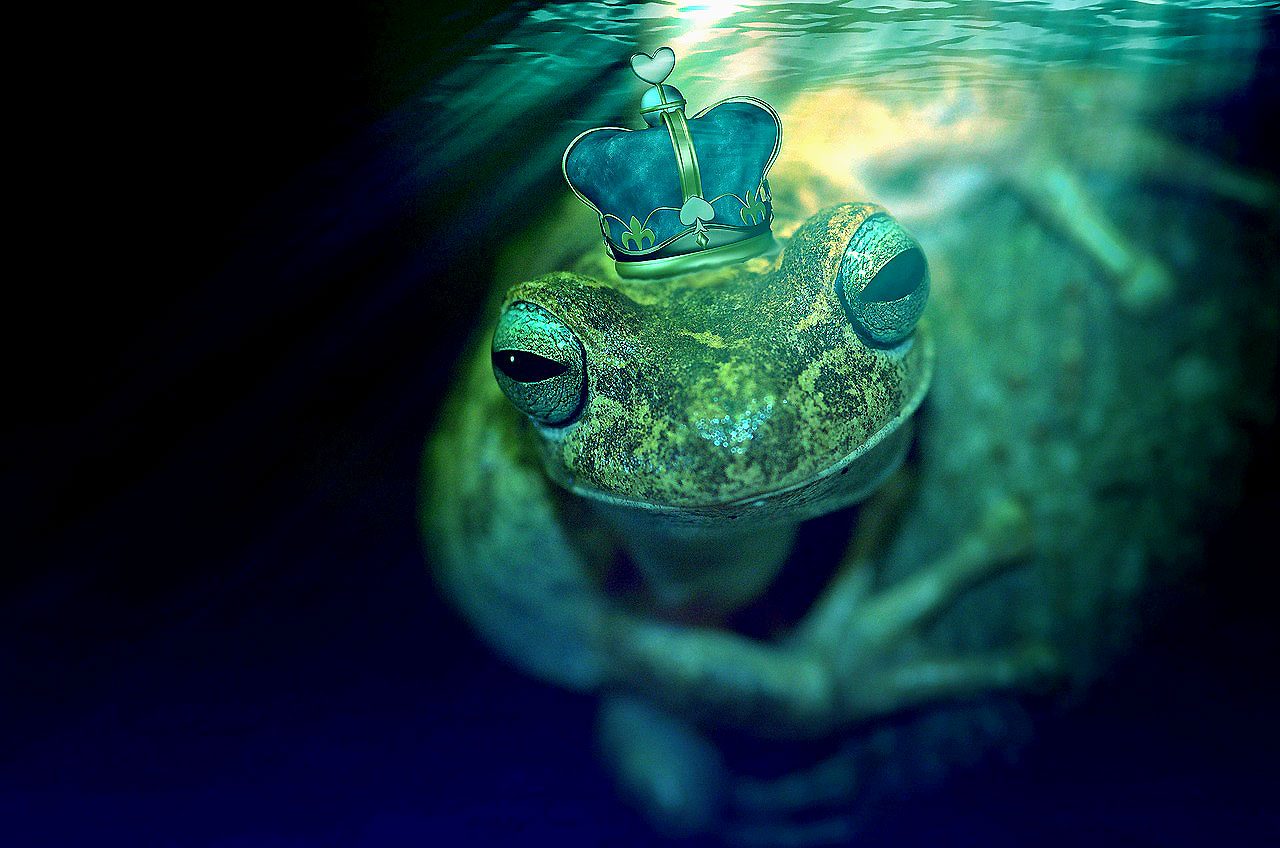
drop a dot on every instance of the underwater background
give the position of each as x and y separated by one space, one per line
222 628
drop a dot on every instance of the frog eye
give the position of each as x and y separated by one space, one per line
539 364
883 281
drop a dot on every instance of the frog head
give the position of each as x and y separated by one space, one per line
767 391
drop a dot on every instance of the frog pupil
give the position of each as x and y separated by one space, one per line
898 278
525 367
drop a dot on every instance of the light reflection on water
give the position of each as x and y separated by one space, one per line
857 84
908 45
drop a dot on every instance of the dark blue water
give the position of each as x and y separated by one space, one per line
220 628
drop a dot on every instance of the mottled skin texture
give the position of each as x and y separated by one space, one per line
770 348
524 521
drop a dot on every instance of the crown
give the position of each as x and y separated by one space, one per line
683 193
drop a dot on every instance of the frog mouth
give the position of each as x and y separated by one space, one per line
844 482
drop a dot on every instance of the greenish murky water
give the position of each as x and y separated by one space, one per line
911 104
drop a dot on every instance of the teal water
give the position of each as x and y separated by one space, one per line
915 105
890 50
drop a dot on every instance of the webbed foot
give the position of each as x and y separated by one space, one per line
862 631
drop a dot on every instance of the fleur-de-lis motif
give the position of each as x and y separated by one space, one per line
636 233
754 211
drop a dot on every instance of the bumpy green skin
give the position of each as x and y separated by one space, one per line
816 418
734 393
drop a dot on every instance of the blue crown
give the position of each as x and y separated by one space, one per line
682 193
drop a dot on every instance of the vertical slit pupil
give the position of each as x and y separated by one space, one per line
525 367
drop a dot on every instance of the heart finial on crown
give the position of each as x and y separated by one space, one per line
656 68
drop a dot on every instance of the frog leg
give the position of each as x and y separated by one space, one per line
662 764
830 782
834 830
1055 191
525 570
852 584
516 557
713 675
1146 154
762 810
929 680
836 669
1142 282
860 629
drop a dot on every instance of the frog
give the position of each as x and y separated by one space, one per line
682 431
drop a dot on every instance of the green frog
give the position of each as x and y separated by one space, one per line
680 431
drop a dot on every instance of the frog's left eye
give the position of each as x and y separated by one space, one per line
539 364
883 281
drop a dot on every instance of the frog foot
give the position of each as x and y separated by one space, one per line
863 633
662 764
780 811
856 638
666 768
1056 189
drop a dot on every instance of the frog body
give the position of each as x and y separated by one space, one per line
1097 377
693 423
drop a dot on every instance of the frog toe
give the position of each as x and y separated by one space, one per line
1032 667
829 783
895 613
1146 287
830 831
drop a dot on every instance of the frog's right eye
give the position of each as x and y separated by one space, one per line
539 364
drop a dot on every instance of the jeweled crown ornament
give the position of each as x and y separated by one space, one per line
681 194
